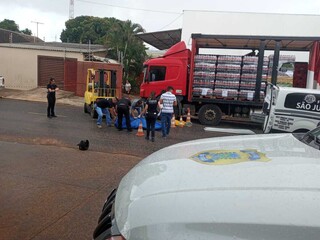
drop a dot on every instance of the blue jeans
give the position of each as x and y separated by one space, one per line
165 123
101 112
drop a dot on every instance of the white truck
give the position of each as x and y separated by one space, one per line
290 109
241 187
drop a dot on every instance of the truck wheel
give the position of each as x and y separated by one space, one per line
210 114
178 109
85 108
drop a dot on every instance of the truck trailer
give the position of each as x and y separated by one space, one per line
217 86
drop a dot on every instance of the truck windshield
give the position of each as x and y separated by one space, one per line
155 73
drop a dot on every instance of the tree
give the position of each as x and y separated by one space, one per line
84 29
26 31
118 36
126 47
9 25
12 26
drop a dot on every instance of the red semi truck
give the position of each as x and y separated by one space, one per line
218 86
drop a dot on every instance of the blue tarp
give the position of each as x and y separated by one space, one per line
135 123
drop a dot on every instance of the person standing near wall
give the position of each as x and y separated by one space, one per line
51 96
168 100
127 87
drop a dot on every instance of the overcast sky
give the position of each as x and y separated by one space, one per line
153 15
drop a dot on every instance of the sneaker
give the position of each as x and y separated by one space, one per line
99 126
54 116
49 117
152 139
129 130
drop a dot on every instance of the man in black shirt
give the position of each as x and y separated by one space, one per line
103 107
123 107
51 96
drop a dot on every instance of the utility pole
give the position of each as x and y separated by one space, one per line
37 27
71 9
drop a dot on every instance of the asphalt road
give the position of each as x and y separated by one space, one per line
51 190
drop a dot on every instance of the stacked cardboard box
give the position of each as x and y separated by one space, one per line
204 75
228 76
249 77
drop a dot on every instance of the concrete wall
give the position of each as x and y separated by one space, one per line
82 75
263 24
19 66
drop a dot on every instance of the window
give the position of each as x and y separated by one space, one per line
157 73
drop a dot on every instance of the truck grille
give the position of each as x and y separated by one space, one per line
106 224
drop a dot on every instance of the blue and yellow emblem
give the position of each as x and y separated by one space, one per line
223 157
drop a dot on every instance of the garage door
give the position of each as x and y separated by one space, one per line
50 67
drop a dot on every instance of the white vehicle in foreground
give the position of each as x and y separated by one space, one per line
242 187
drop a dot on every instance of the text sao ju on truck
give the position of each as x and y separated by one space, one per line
214 86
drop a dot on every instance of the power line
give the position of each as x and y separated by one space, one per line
172 21
137 9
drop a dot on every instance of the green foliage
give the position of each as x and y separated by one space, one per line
26 31
9 25
116 35
85 28
12 26
122 42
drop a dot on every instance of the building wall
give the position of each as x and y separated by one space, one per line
83 70
237 23
233 23
19 66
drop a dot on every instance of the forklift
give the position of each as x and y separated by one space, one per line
101 83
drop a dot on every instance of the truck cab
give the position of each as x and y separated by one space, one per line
291 109
169 70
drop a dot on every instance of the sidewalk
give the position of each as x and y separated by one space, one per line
40 95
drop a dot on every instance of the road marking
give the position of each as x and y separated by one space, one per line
229 130
42 114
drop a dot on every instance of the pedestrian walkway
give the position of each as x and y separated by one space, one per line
40 95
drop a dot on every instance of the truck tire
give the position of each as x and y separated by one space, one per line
210 115
177 110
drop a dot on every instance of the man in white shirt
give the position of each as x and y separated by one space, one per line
168 100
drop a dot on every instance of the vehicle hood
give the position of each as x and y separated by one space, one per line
224 187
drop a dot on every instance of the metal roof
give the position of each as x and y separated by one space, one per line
7 36
166 39
58 46
161 40
253 42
